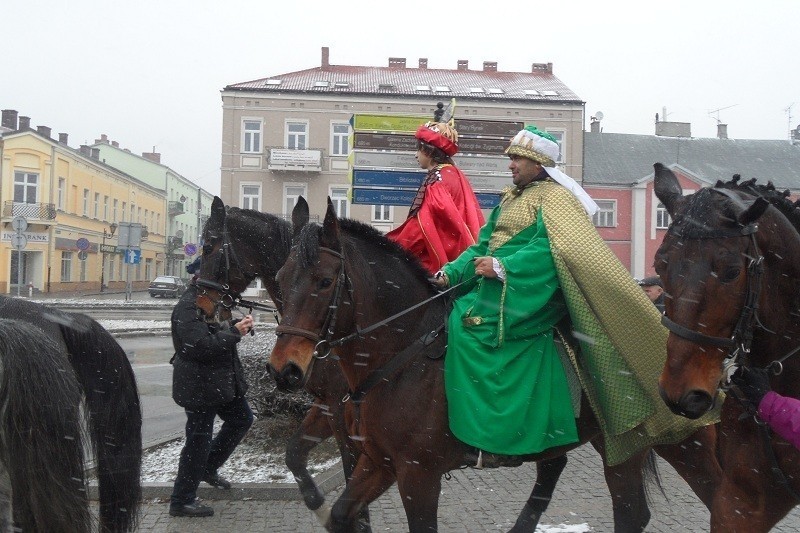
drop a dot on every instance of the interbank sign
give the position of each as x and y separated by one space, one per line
384 170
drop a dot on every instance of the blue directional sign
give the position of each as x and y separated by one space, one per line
387 178
405 197
132 256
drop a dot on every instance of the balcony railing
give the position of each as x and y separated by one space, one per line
175 208
30 211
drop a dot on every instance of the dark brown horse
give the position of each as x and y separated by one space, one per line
345 275
730 264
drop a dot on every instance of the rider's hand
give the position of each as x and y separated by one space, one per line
753 382
440 280
484 266
244 325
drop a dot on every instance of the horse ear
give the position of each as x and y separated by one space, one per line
217 219
752 213
667 187
299 215
330 228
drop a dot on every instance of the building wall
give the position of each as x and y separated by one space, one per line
320 111
56 238
617 237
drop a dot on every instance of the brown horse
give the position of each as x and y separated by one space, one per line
730 264
240 245
345 274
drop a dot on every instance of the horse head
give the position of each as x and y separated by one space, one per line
710 263
315 283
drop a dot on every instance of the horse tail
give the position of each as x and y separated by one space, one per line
651 476
115 416
41 432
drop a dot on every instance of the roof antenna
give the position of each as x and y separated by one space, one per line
710 113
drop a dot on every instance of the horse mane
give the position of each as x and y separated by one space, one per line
254 222
308 244
778 199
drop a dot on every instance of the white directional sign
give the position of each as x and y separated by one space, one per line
132 257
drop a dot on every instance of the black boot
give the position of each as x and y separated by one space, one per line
216 481
480 459
194 509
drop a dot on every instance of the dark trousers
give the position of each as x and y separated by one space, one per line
202 455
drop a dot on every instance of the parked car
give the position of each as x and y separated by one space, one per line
164 286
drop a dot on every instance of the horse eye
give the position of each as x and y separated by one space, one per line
730 274
325 283
207 249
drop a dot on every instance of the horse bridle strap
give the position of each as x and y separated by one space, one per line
695 336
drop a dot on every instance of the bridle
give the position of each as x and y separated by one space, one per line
227 298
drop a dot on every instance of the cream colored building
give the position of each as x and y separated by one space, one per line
70 202
289 135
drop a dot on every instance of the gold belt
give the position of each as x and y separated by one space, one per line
471 321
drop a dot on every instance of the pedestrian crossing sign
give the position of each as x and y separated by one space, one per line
132 257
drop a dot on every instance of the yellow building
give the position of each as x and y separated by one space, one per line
71 205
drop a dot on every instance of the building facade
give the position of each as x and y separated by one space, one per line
187 205
290 135
70 204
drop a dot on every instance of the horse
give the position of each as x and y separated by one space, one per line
730 264
242 244
344 273
109 387
42 486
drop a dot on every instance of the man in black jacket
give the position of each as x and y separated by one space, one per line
207 381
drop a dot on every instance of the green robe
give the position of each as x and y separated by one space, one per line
507 391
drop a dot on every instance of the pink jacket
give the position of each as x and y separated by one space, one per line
782 413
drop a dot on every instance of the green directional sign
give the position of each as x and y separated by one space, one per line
388 123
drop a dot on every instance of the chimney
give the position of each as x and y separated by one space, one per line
85 150
326 56
115 144
594 126
490 66
9 119
423 62
722 131
102 140
62 138
546 68
24 123
152 156
44 131
397 62
462 64
95 153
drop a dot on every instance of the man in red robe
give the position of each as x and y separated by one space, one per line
445 217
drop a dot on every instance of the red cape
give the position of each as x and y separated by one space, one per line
447 222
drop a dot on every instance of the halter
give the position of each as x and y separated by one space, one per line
740 341
228 298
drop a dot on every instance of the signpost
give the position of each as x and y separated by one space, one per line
129 240
190 249
19 241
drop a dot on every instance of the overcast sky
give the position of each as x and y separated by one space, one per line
149 73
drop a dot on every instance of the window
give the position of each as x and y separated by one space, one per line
606 216
66 266
251 197
251 136
82 263
25 187
123 219
96 205
62 193
340 134
382 213
158 223
559 135
111 257
116 204
291 193
339 197
296 135
105 207
86 202
663 219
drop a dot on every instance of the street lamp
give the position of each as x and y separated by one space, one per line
112 228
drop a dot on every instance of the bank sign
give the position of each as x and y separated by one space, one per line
32 237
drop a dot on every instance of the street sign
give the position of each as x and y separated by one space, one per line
19 241
132 257
129 234
82 255
405 197
82 244
388 178
19 224
387 123
190 249
108 248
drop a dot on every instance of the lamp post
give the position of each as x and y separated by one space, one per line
112 228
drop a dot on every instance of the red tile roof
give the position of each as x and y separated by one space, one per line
400 81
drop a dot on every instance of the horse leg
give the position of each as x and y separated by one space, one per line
419 489
548 471
313 429
695 460
369 481
626 485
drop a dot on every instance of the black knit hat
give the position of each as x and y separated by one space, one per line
652 280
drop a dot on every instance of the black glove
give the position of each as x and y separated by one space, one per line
753 382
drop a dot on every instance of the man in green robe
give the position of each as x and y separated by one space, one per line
537 260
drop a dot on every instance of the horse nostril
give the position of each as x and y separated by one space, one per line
696 403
